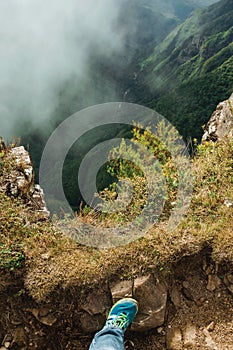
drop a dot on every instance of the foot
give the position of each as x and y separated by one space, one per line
122 313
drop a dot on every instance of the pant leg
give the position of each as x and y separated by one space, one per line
109 338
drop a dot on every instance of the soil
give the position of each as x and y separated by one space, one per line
192 309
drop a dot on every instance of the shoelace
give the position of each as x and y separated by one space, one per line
120 321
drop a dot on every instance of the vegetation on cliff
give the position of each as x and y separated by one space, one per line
50 260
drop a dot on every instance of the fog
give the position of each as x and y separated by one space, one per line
43 45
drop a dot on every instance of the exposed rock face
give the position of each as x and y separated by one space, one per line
151 293
95 309
122 289
220 124
19 182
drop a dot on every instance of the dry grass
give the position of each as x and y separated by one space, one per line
53 261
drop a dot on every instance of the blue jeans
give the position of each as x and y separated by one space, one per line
109 338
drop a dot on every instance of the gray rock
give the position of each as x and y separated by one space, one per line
220 124
98 301
19 182
151 294
91 324
121 289
37 202
96 306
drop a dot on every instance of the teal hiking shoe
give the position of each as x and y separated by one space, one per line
122 313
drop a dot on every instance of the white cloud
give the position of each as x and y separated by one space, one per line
43 44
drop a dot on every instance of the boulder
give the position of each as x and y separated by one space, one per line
96 307
21 179
151 294
220 124
91 324
19 182
121 289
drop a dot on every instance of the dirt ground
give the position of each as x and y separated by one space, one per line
202 319
199 316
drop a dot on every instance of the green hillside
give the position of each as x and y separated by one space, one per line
184 77
192 69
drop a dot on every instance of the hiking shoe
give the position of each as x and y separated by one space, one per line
122 313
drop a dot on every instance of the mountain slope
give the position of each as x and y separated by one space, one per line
192 69
146 22
175 8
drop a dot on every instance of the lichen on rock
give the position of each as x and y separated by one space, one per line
19 181
220 124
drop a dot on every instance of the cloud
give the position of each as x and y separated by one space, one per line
44 44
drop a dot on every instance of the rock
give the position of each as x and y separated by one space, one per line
44 312
98 301
175 296
20 337
189 336
48 320
37 203
213 283
21 179
228 203
91 324
43 316
121 289
200 302
208 268
210 343
210 327
160 330
96 307
188 291
19 182
174 338
220 124
228 281
151 294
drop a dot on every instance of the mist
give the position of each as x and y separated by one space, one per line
45 44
